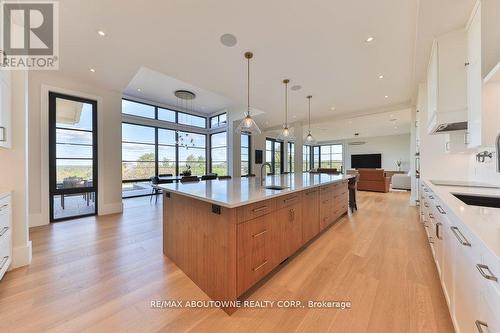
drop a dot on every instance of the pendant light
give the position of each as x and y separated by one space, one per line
286 133
248 124
309 138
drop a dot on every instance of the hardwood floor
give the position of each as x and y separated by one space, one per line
100 275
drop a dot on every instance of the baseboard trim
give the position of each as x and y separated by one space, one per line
113 208
21 256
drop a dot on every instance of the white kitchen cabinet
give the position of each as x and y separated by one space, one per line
5 109
447 83
5 233
483 61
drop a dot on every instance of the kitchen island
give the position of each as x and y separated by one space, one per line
226 235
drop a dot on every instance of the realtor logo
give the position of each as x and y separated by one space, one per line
29 36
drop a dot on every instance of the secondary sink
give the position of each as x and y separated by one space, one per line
479 200
276 187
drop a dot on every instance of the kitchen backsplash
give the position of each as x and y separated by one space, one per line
484 172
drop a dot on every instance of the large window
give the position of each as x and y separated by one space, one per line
316 156
218 153
138 109
306 158
191 120
291 154
274 155
331 156
219 120
192 155
246 142
167 157
138 152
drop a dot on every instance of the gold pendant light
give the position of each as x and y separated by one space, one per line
309 138
248 124
286 133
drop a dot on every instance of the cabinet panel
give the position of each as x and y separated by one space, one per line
257 209
310 215
287 231
254 251
5 113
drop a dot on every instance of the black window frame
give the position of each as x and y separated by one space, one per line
310 157
219 123
291 157
273 149
53 190
249 135
210 147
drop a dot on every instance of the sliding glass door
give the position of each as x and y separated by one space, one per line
72 157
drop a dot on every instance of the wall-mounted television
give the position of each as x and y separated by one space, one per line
366 161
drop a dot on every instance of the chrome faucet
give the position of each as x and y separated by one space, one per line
262 177
498 153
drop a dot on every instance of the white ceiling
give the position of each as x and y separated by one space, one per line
159 88
317 44
377 124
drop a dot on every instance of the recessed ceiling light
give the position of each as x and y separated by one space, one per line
380 76
332 108
228 40
296 87
370 39
386 96
139 89
92 70
101 33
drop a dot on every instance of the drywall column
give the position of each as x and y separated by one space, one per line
233 147
413 140
13 170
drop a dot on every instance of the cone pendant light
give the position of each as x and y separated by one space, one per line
248 124
286 133
309 138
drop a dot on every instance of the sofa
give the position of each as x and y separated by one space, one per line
373 180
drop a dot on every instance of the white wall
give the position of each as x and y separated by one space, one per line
13 173
109 137
392 148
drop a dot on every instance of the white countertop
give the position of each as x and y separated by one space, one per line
233 193
484 222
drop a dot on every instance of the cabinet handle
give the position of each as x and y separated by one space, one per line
260 209
4 261
466 64
260 266
426 205
481 268
461 238
431 216
259 234
290 199
479 324
440 209
292 214
4 230
430 240
4 136
3 206
431 197
438 225
325 201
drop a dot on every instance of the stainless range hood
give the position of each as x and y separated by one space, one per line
444 122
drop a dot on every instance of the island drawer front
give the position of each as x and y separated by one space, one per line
254 251
288 200
254 210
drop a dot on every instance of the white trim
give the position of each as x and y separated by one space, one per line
44 131
21 256
113 208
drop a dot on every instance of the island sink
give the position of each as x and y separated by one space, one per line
478 200
276 187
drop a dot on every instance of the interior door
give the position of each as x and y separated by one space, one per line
72 157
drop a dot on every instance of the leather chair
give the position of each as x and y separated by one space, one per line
373 180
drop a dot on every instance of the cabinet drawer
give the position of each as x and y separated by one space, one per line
489 271
5 253
254 252
4 221
288 200
257 209
5 206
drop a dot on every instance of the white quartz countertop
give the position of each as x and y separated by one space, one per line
233 193
484 222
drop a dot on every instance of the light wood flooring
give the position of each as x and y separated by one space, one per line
100 275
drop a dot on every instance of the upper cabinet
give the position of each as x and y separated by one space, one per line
483 58
447 83
5 109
